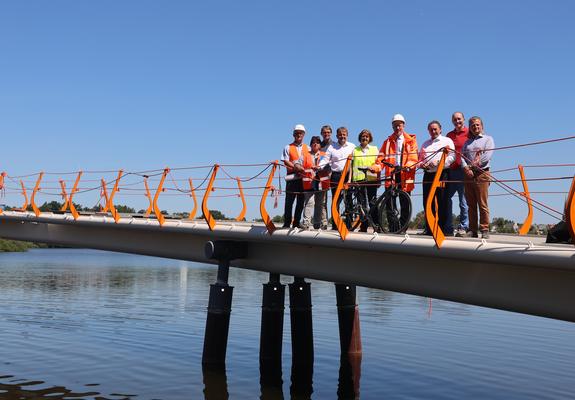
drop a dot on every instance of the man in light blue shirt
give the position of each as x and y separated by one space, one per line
476 162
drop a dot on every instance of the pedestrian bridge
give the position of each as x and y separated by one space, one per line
515 273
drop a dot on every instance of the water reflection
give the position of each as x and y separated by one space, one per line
349 377
136 325
12 388
215 382
301 387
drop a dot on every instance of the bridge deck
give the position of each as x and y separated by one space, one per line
508 272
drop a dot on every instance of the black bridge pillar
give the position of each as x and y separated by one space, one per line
271 335
301 337
220 301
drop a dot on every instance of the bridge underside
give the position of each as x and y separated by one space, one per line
508 275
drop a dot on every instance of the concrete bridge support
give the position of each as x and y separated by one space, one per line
271 334
220 302
349 340
301 337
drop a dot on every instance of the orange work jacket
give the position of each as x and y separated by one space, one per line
309 161
294 156
409 158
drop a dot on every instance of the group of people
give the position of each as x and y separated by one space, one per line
313 170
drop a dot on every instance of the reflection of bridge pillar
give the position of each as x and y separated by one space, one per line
271 335
348 318
215 383
301 337
220 301
349 374
349 340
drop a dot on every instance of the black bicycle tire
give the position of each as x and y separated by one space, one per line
382 212
355 214
349 215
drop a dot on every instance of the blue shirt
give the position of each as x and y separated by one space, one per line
477 151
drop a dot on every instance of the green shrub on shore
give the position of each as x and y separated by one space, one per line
15 245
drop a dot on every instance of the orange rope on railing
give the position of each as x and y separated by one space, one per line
433 219
64 196
157 211
338 221
33 197
242 215
104 194
529 219
149 196
2 189
205 210
71 196
25 206
263 212
193 195
110 203
570 211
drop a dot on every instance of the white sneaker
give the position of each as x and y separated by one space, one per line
460 233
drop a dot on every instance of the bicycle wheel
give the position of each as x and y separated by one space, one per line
394 211
349 209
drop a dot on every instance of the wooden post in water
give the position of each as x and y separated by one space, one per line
301 337
271 335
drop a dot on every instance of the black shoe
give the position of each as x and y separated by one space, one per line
484 234
286 226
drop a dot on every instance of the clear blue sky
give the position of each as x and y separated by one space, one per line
147 84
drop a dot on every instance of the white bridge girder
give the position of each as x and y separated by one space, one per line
504 273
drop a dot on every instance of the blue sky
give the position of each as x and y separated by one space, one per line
147 84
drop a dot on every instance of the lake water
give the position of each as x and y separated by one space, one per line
83 324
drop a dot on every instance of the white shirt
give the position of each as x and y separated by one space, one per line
431 146
337 155
399 147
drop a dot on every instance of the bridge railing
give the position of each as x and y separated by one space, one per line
32 185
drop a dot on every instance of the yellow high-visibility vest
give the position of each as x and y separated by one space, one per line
361 159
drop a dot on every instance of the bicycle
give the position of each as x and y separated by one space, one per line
392 208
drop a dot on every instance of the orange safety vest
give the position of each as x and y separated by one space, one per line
309 175
294 155
409 158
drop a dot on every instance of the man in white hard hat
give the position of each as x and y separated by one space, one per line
293 156
399 149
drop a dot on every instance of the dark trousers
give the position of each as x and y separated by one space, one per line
403 203
333 182
294 192
443 203
371 191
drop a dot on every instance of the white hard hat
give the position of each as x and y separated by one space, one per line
398 117
299 127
